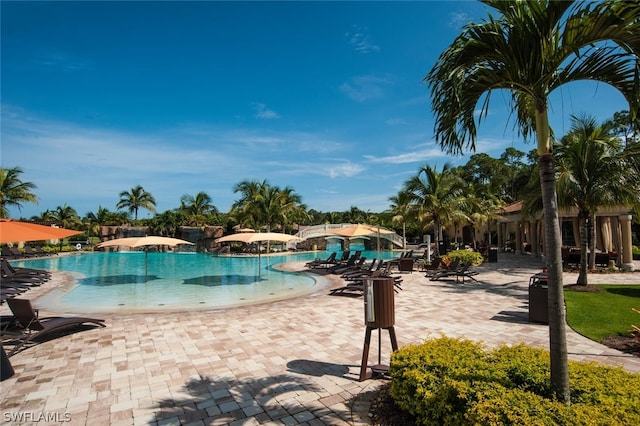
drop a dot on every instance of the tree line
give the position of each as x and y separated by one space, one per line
435 198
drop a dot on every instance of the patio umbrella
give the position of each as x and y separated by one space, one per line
13 231
151 240
256 237
362 230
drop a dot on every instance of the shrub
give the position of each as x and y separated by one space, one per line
456 381
466 256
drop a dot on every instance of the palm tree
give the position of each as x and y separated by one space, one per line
244 210
197 208
531 49
265 205
66 216
593 172
437 196
13 191
136 199
402 210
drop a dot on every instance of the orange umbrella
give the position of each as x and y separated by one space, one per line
13 231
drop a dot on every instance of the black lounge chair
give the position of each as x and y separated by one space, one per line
319 263
444 268
33 327
462 271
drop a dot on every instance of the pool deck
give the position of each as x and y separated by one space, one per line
295 361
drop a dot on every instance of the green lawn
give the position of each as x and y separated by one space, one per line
597 315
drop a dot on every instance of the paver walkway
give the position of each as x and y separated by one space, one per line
290 362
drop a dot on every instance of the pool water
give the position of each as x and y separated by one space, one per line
135 281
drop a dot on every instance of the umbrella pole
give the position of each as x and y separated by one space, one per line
146 252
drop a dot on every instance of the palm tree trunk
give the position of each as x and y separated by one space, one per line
592 241
437 233
553 239
584 249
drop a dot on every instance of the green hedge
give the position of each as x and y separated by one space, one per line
466 256
458 382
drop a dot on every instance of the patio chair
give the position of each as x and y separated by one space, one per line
319 263
9 274
443 268
462 271
34 327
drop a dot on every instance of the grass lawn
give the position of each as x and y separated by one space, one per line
597 315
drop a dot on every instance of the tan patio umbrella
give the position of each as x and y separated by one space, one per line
14 231
362 230
256 237
151 240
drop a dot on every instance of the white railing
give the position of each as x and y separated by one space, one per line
325 230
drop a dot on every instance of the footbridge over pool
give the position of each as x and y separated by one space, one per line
328 230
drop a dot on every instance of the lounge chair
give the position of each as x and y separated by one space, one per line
33 327
444 268
11 253
319 263
462 271
30 252
10 274
354 261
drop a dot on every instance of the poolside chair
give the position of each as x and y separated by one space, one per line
34 327
11 253
444 268
10 274
354 261
319 263
459 271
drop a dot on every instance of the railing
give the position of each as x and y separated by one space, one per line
325 230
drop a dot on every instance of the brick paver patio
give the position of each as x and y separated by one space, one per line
295 361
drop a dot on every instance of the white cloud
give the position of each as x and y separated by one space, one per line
408 157
264 113
347 169
361 41
364 87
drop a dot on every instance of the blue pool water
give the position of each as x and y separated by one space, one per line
125 281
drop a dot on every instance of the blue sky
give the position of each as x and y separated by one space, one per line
183 97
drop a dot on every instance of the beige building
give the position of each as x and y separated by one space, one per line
525 234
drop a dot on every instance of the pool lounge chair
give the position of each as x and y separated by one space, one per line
462 271
319 263
33 327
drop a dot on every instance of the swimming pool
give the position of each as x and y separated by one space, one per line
125 281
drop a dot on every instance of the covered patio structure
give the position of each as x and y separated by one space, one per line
520 234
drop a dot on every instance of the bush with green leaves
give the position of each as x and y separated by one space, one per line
459 382
466 256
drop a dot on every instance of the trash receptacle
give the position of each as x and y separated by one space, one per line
538 299
493 255
6 370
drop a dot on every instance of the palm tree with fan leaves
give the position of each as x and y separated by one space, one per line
530 49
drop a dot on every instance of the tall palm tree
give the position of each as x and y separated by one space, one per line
135 200
402 211
437 196
531 49
245 209
66 216
197 208
13 191
593 172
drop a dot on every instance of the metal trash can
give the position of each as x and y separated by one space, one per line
493 255
539 299
6 369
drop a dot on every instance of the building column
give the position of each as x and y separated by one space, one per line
533 239
627 255
518 238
